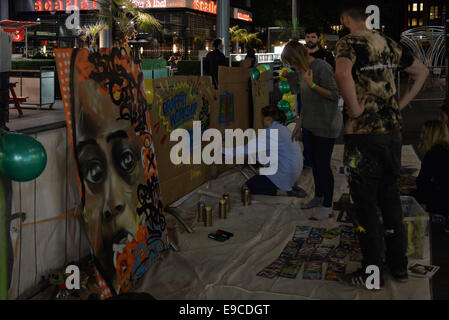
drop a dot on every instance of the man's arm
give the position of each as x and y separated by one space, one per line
417 72
346 86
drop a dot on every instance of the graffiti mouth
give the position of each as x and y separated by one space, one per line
119 243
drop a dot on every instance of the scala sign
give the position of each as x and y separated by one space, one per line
63 5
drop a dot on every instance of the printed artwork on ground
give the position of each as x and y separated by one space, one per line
108 120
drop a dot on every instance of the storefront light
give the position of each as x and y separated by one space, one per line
175 49
141 50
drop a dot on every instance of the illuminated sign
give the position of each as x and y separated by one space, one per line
242 15
18 34
150 3
205 6
62 5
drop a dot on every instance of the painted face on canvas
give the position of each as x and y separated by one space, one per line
109 154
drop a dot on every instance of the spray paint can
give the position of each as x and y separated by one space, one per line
246 197
243 191
200 213
208 221
228 202
222 209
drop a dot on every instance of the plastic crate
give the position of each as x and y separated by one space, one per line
416 221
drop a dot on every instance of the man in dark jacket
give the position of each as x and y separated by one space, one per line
214 59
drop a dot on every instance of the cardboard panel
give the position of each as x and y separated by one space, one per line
233 111
108 121
261 97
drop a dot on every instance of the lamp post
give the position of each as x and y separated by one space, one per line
223 13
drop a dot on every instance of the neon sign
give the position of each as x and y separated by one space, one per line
150 3
244 16
205 6
62 5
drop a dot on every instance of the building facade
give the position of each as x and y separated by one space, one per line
425 13
187 25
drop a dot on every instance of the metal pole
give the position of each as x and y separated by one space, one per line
26 43
223 14
106 33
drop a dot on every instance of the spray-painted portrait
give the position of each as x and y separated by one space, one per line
116 164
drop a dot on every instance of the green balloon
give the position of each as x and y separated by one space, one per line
22 158
255 74
284 87
266 66
284 105
289 115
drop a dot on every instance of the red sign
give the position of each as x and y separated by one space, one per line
244 16
18 34
205 6
63 5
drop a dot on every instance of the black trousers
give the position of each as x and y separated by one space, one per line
261 185
320 151
374 163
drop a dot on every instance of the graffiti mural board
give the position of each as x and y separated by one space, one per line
108 121
234 110
177 102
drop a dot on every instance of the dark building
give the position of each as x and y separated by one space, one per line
188 25
425 13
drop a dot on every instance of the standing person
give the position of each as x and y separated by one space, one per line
314 48
214 59
432 183
320 117
366 62
250 59
444 113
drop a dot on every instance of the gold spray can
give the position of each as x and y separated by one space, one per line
228 202
222 209
201 212
208 221
242 194
246 197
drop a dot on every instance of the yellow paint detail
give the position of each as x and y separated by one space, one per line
149 90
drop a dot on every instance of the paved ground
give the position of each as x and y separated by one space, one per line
414 118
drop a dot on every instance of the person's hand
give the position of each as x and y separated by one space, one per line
308 77
357 111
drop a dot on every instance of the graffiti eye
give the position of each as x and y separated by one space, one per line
128 161
94 172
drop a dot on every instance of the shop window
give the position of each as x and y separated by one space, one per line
409 7
415 7
420 22
421 7
414 22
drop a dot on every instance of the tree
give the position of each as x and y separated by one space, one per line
123 16
89 33
237 35
290 30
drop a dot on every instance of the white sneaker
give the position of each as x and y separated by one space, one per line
314 203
